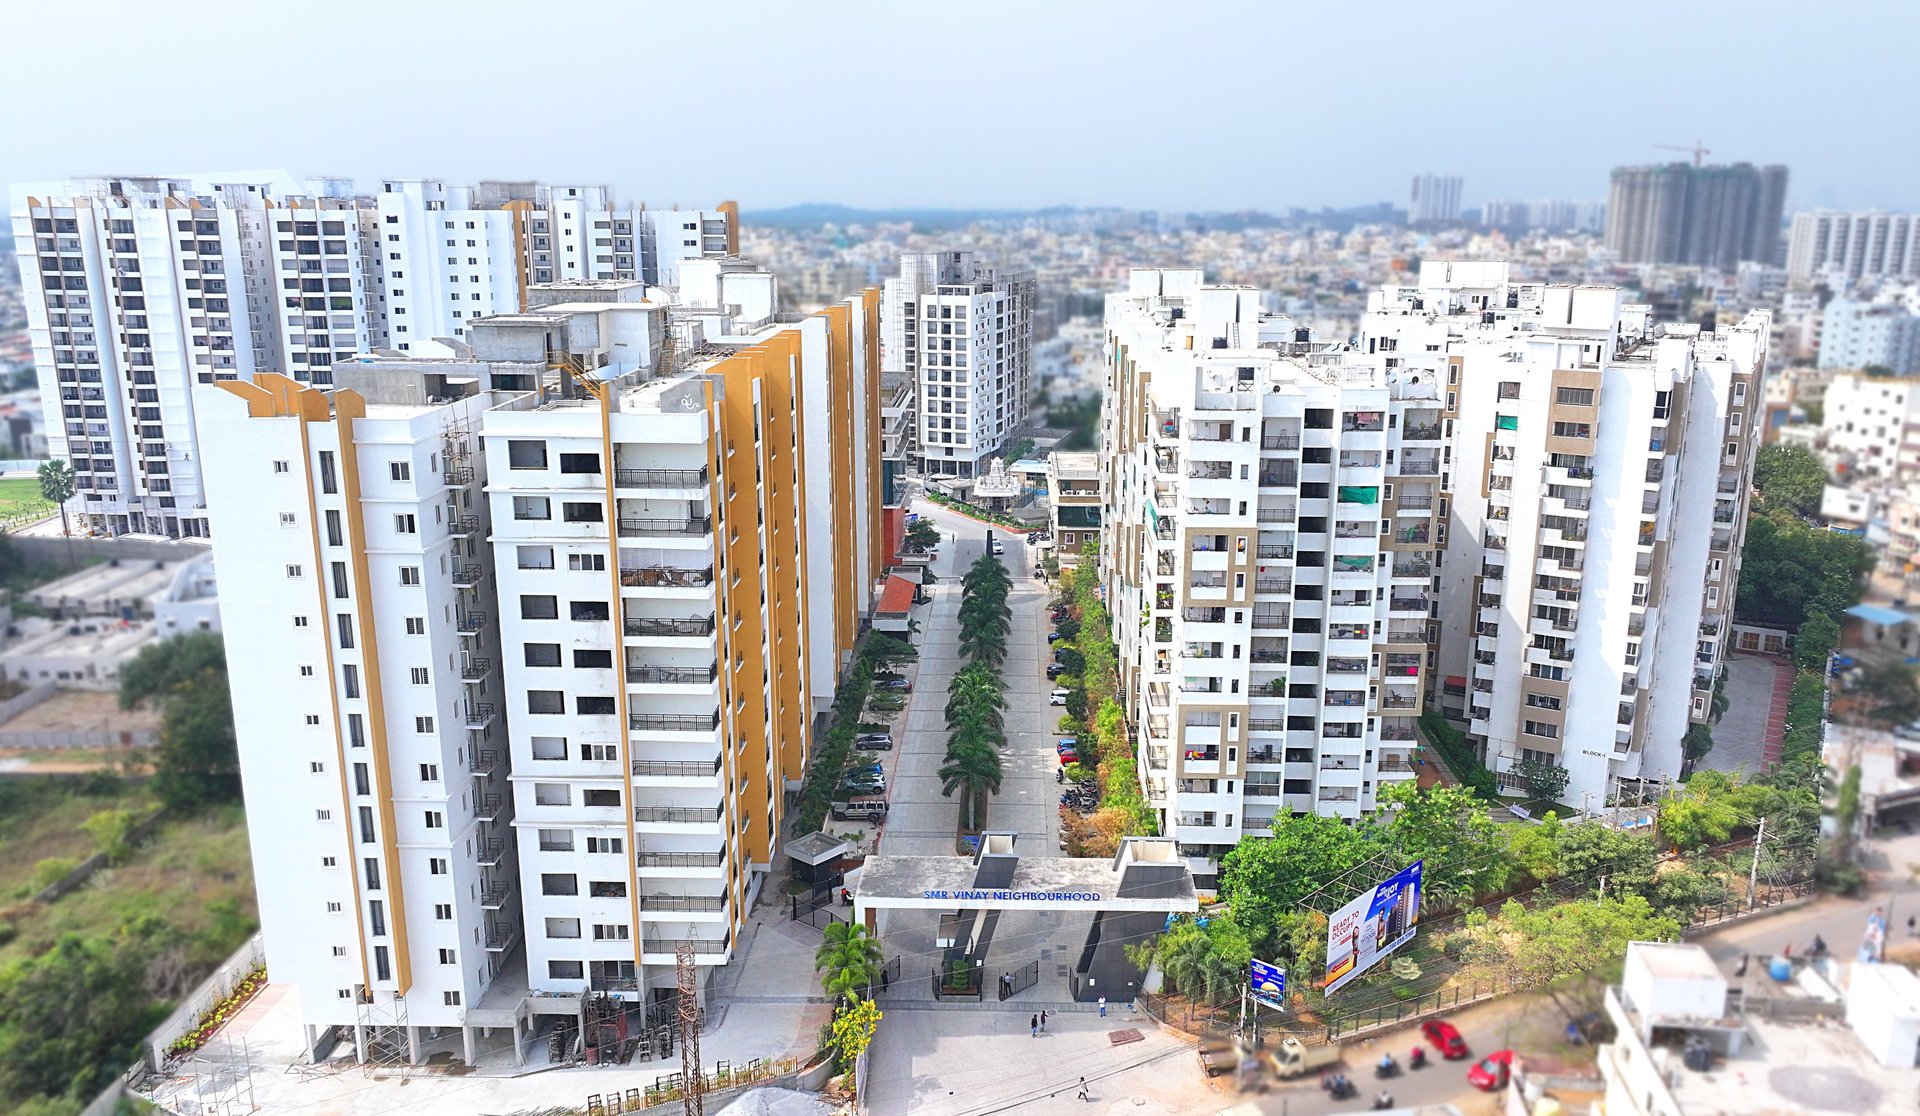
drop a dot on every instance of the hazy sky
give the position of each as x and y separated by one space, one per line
1173 105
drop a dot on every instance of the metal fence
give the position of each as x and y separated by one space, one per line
959 979
1019 980
55 739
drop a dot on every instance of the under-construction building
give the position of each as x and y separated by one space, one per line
537 629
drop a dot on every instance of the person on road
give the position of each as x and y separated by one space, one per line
1083 1090
1033 1026
1043 1020
1103 1007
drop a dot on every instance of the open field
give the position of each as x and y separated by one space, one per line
43 821
20 496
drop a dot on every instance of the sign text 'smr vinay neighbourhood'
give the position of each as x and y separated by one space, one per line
1003 895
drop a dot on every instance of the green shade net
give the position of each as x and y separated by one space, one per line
1356 494
1506 422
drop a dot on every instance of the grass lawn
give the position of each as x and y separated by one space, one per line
20 496
195 872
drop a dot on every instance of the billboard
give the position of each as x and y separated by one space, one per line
1268 984
1377 922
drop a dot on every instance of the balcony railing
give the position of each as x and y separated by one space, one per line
1271 619
1408 604
677 813
1420 433
1415 567
470 623
662 626
697 945
683 902
1272 584
1275 552
660 478
674 676
474 669
674 722
698 525
671 576
1280 441
465 575
1414 468
1266 724
1339 794
1345 698
680 860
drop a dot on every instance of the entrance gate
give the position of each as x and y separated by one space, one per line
1020 979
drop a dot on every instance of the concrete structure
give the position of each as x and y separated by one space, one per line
1549 216
1711 216
963 333
1870 334
1076 503
1848 247
191 601
1434 199
1870 426
141 290
1270 516
533 640
1561 400
1883 1008
83 655
115 589
1673 995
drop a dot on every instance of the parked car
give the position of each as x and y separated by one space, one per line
873 742
898 685
863 784
1445 1038
1068 757
1491 1072
1055 670
1055 637
859 808
1059 696
1065 744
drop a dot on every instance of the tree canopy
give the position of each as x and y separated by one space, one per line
198 760
1791 571
1789 477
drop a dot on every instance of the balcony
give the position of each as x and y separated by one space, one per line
1346 698
670 946
1413 503
1339 794
680 860
1210 470
490 852
1363 422
1413 467
470 623
1282 514
476 668
1280 552
1411 567
1398 730
1408 604
672 577
1266 724
678 815
456 475
659 902
486 807
674 722
1264 618
1280 441
660 478
1425 432
501 935
1272 584
493 896
1395 700
466 575
481 714
1276 476
463 526
1418 533
662 626
658 528
673 676
484 762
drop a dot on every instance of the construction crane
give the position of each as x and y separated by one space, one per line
1700 151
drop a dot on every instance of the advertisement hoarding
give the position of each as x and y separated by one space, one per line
1377 922
1268 984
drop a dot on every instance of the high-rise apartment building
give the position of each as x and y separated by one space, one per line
1528 491
1545 216
1713 216
1854 246
1596 487
562 603
1270 515
1856 335
140 290
963 333
1434 199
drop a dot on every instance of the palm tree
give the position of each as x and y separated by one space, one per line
57 486
848 960
974 770
984 645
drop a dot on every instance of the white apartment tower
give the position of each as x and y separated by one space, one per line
1596 484
139 290
1434 199
567 600
963 333
1854 246
1270 517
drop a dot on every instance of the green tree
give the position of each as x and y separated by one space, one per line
1545 780
1790 571
922 534
1696 743
57 485
973 771
1265 879
882 649
1705 811
1626 859
1447 828
198 760
111 830
70 1018
1534 850
848 960
1814 641
1532 948
1789 477
852 1030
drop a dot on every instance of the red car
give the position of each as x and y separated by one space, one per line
1445 1038
1491 1072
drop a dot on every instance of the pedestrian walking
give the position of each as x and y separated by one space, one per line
1103 1007
1043 1020
1033 1026
1083 1089
1006 985
1911 931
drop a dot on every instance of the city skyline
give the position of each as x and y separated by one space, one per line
1046 100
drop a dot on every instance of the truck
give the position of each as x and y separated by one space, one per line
1292 1058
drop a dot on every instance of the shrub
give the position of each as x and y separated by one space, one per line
52 870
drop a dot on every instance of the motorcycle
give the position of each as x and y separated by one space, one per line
1386 1067
1417 1059
1341 1089
1383 1102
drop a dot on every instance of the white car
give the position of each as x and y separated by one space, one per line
995 546
1059 696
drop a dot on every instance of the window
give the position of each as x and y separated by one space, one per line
400 470
559 883
287 519
404 525
436 866
608 889
443 912
599 752
423 725
333 908
579 462
603 844
591 563
419 676
299 621
563 927
339 951
1573 397
280 467
294 571
409 575
531 507
549 747
542 654
538 607
610 932
1572 430
329 862
313 718
429 772
416 625
566 970
576 512
546 701
344 623
534 557
447 957
588 610
316 768
1541 728
435 819
323 815
590 660
450 998
595 706
526 455
600 798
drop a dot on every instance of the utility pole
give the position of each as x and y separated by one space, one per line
1753 871
692 1085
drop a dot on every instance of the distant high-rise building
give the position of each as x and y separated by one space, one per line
1854 245
139 291
1870 335
1435 199
963 333
1707 216
1549 215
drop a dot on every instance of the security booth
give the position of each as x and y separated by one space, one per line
1130 897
